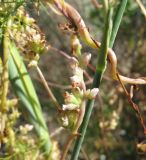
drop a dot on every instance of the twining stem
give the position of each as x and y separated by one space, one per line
50 93
56 132
101 64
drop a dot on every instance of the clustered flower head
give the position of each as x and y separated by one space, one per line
28 37
73 100
6 7
7 122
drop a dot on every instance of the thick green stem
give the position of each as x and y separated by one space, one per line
101 64
24 89
96 82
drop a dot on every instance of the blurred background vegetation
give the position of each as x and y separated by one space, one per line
114 131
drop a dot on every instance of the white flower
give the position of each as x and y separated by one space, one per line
94 92
75 79
26 128
91 94
69 106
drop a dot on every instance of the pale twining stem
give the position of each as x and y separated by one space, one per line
60 52
56 132
50 93
142 7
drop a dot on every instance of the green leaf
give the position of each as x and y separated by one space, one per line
25 91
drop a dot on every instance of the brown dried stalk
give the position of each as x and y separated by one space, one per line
134 106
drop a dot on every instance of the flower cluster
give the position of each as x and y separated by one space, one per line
7 122
73 101
6 7
28 37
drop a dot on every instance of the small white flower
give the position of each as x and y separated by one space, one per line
26 128
91 94
69 106
94 92
75 79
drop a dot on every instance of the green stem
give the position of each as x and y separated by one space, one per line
4 76
101 64
106 5
117 21
96 82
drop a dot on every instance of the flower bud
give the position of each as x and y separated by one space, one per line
12 102
77 92
76 79
26 128
84 60
76 46
70 98
91 94
64 120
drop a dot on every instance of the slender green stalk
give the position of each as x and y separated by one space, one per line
106 5
101 65
96 83
117 21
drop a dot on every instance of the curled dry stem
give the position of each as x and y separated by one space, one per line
134 106
78 23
